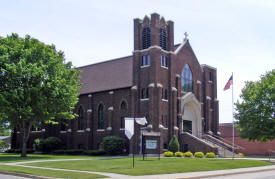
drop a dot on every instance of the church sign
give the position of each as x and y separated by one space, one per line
151 144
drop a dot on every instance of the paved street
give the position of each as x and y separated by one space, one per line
257 175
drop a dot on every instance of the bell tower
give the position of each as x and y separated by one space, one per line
153 31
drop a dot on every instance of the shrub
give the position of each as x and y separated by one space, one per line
29 151
210 155
188 154
168 154
94 152
179 154
74 152
113 145
38 144
199 154
241 154
59 152
50 144
10 151
4 144
174 145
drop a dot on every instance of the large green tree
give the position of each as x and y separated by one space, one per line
36 84
256 112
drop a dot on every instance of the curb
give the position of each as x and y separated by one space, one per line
24 175
226 174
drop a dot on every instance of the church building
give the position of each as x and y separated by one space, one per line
161 81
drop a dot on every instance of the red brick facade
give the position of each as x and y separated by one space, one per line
163 115
249 147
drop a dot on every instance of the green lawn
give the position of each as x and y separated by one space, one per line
153 165
7 158
49 173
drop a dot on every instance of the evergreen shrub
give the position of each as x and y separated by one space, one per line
174 145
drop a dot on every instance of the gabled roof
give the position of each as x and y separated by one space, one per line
108 75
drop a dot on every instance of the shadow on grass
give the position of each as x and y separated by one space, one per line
17 158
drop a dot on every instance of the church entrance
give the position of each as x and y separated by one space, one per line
191 114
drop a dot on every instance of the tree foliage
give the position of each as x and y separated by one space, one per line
36 85
256 112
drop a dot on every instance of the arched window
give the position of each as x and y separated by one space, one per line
146 37
123 105
100 124
162 38
80 118
186 79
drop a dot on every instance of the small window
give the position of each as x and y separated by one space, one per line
100 124
80 118
164 94
164 61
123 105
144 93
122 122
145 60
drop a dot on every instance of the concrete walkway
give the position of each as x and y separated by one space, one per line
161 176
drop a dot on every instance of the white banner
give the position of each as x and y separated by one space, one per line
129 127
141 120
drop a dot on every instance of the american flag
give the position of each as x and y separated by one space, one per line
229 83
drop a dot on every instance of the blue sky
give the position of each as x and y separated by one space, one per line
232 35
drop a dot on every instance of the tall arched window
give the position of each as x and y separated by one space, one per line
146 38
80 118
186 79
162 38
100 124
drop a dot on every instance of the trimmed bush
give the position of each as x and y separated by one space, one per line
94 152
50 144
10 151
47 145
18 151
179 154
59 152
113 145
210 155
74 152
241 154
174 145
188 154
199 154
168 154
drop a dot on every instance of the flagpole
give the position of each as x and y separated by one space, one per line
233 131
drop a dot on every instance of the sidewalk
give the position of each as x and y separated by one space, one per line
205 174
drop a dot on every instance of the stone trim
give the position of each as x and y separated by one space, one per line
144 66
174 89
145 99
80 131
134 88
109 128
88 129
62 132
100 130
111 108
159 85
151 85
111 92
208 97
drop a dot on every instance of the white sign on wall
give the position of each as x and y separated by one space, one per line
151 144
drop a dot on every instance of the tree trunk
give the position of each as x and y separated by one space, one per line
26 134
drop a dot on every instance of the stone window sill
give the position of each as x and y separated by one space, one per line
144 66
146 99
100 130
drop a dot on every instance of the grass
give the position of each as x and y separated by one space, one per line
7 158
153 165
49 173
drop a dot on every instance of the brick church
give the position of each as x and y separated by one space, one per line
161 81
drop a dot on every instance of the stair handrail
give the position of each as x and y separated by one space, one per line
211 141
227 142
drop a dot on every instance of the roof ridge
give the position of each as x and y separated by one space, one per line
97 63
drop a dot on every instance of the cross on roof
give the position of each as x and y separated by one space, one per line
185 36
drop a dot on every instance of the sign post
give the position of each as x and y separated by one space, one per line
129 132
